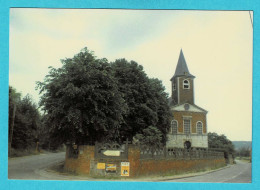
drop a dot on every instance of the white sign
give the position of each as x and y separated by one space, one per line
112 152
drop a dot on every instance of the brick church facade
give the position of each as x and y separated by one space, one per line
189 126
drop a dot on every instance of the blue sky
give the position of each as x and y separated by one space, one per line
217 46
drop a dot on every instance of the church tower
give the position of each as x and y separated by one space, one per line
182 83
189 126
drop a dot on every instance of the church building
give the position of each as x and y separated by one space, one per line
189 125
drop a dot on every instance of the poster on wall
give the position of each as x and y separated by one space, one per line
111 168
125 168
101 166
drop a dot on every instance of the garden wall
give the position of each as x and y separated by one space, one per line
87 162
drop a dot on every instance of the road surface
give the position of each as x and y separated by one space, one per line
33 167
237 173
27 167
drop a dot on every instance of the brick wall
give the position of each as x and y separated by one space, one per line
186 95
196 116
170 166
81 164
86 163
94 171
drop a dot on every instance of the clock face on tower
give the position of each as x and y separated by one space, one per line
186 106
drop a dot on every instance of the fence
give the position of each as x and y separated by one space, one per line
117 151
178 153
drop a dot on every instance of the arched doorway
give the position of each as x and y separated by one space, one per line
187 144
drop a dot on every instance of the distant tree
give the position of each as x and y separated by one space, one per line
14 99
221 142
244 152
146 100
81 100
24 121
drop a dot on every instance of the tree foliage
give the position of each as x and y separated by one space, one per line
145 97
243 152
151 136
89 99
81 100
220 142
24 121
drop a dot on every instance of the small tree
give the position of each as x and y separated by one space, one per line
150 136
221 142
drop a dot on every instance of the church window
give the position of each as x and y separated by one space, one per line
174 127
199 128
186 123
186 84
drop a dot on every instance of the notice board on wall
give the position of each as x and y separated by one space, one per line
125 168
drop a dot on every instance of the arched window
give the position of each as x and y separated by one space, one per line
199 127
186 84
174 127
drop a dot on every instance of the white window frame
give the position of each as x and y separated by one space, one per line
199 122
184 131
172 131
186 84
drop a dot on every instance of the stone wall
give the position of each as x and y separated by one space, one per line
86 163
179 139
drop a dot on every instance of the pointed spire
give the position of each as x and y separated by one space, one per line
182 68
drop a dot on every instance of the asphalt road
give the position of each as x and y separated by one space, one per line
237 173
33 167
27 167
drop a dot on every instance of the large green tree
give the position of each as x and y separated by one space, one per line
81 100
145 97
89 99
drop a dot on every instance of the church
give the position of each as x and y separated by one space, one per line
189 125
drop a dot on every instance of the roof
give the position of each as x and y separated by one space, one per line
193 108
182 68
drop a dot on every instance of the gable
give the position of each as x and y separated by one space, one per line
192 108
